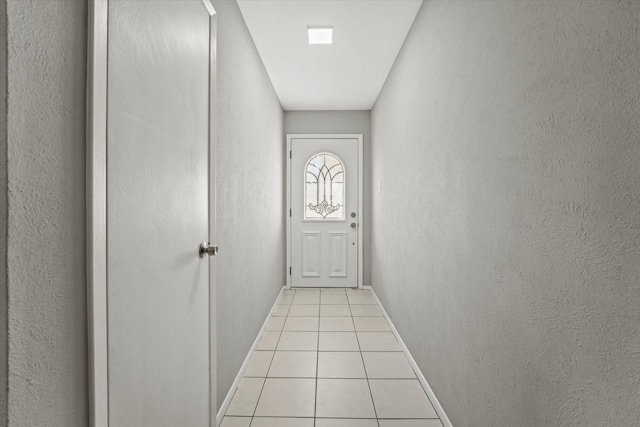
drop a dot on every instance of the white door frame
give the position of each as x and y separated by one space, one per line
357 136
96 211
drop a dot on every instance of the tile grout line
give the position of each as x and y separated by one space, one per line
315 402
433 400
266 375
319 318
222 411
331 378
375 412
376 303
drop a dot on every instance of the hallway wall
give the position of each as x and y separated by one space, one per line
506 237
342 122
250 194
47 43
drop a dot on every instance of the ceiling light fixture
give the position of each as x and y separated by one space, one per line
320 35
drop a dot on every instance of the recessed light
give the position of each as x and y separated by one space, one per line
320 35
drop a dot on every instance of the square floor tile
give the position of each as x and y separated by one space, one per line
281 422
401 399
289 292
269 341
246 396
342 422
362 299
304 310
387 365
236 422
340 364
302 324
280 310
344 399
410 423
378 341
287 397
333 299
338 341
292 364
275 324
371 324
306 299
336 324
259 365
285 299
307 291
359 292
298 341
365 310
335 310
332 291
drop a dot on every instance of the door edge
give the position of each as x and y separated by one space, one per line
212 194
96 212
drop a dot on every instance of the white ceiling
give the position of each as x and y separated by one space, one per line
347 75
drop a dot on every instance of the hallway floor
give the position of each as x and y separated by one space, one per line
328 358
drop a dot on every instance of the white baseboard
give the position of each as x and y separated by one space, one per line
245 364
427 388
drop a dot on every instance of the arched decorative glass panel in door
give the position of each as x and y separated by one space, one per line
324 187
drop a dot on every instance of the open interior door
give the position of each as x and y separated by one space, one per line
150 290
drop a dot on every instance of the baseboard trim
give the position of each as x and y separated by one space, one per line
427 388
245 364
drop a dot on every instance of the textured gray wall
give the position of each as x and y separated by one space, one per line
250 194
342 122
506 238
46 244
3 214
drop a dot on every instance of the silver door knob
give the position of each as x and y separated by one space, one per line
207 248
353 225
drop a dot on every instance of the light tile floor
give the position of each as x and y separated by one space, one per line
328 358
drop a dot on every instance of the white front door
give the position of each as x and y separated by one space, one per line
324 210
157 213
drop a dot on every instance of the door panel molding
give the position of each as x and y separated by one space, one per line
338 258
359 138
96 209
311 259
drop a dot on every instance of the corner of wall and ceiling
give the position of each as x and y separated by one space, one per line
393 64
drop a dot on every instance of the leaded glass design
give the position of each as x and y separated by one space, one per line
324 187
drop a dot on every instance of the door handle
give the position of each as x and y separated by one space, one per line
353 225
207 248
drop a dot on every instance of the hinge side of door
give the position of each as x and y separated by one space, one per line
290 154
289 271
289 212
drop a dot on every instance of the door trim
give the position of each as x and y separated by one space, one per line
96 212
357 136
